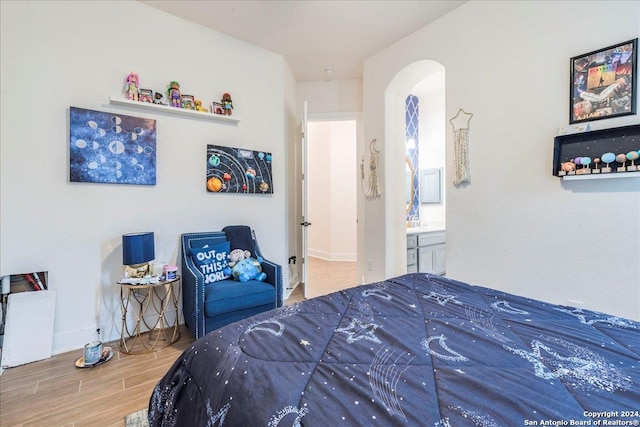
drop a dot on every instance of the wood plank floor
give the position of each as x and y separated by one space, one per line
54 392
326 277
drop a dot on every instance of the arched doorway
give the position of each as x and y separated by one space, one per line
395 208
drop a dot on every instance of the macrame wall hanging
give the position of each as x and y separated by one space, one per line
372 188
460 123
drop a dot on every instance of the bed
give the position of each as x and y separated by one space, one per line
416 350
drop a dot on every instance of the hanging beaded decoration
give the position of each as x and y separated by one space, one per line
372 189
460 126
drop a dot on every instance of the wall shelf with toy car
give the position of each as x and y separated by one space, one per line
598 154
174 110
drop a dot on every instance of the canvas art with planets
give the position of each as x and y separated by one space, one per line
236 170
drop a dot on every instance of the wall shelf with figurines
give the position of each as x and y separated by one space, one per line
174 110
598 154
177 103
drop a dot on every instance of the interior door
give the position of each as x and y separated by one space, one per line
305 219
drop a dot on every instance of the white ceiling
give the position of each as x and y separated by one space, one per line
314 35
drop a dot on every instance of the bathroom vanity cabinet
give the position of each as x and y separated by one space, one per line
426 250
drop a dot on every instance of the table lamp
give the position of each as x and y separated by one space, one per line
137 250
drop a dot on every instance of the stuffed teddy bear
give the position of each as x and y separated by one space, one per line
247 269
238 255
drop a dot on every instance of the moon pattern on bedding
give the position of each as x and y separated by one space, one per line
416 350
273 324
505 307
276 419
378 290
450 355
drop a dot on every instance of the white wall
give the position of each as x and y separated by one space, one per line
319 189
343 197
332 183
61 54
336 96
293 130
516 227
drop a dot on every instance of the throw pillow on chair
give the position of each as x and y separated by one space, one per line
212 261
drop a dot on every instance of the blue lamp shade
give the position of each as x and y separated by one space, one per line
137 248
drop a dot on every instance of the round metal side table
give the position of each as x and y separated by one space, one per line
154 308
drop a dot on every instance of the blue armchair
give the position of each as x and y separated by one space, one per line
207 307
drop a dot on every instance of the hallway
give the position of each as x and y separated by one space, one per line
326 277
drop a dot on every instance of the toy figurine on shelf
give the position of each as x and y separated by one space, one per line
188 102
174 94
585 162
227 103
567 168
131 86
632 156
622 159
607 158
217 108
158 98
199 106
145 95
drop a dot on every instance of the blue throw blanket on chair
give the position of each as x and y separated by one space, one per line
240 238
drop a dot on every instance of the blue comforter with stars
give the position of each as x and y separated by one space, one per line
416 350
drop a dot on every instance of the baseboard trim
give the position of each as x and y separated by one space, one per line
327 256
293 282
109 332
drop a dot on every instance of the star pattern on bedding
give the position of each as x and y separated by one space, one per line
218 417
357 330
578 366
599 318
439 294
415 350
442 299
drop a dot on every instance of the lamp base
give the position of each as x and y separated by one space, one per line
137 271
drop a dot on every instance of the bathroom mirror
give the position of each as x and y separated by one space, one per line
409 190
